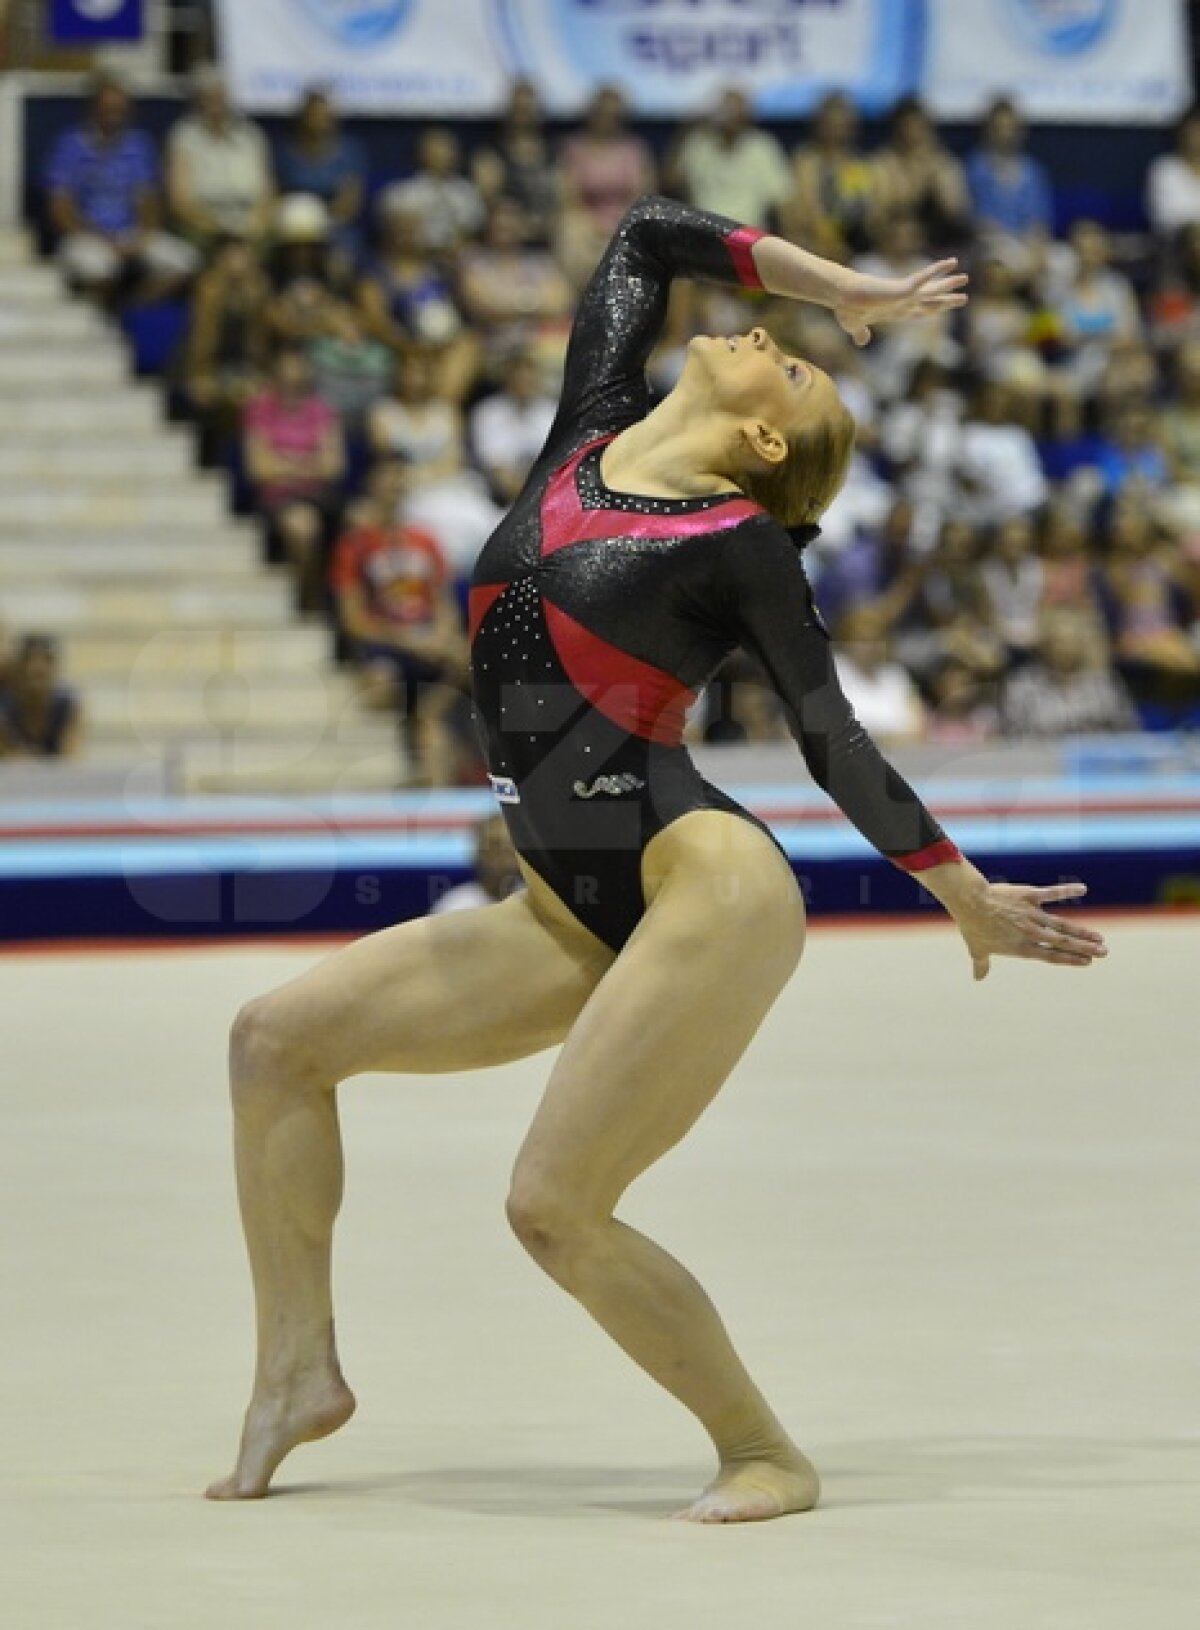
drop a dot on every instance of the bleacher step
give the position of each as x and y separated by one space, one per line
65 361
15 248
61 372
61 608
41 456
376 768
222 703
197 654
126 409
165 559
131 509
31 284
52 325
258 738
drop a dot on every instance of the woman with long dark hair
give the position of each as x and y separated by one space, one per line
660 920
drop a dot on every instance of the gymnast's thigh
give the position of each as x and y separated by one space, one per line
457 991
721 936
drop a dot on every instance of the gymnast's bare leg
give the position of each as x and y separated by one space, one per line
658 1033
651 1049
457 992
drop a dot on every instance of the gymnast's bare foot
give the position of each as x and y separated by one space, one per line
755 1490
276 1421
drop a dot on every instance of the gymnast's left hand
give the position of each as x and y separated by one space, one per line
1010 919
864 301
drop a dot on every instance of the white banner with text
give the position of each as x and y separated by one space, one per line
1070 60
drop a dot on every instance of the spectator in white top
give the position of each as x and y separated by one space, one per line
1173 182
922 439
423 427
219 177
999 470
508 429
731 166
885 700
439 195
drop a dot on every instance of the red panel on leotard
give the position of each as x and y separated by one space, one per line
565 520
640 698
740 244
480 601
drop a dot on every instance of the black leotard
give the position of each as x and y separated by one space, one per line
597 615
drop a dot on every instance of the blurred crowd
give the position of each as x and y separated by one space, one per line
1016 551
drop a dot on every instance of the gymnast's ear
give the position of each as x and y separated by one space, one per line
768 445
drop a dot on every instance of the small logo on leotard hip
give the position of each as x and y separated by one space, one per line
614 786
505 789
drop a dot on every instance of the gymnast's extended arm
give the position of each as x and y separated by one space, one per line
769 608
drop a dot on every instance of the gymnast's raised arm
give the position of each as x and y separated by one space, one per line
623 308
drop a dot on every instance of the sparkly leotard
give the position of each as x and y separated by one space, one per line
596 617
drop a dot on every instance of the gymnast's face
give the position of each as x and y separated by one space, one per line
748 377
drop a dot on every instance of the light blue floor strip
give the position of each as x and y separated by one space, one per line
1064 835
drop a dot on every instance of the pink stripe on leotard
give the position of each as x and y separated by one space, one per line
565 520
740 243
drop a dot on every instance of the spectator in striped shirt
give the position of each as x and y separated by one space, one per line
103 182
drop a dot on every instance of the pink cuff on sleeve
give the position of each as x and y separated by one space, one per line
740 243
934 854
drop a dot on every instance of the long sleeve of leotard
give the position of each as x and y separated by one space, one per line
768 607
622 311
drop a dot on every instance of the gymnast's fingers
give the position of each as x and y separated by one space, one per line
1077 933
1058 891
1061 959
930 274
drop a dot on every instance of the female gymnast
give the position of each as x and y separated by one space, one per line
660 921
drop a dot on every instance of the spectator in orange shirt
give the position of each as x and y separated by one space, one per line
392 589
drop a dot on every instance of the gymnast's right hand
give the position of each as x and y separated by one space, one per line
864 301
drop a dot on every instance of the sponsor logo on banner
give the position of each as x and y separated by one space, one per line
1065 28
359 23
672 56
604 39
